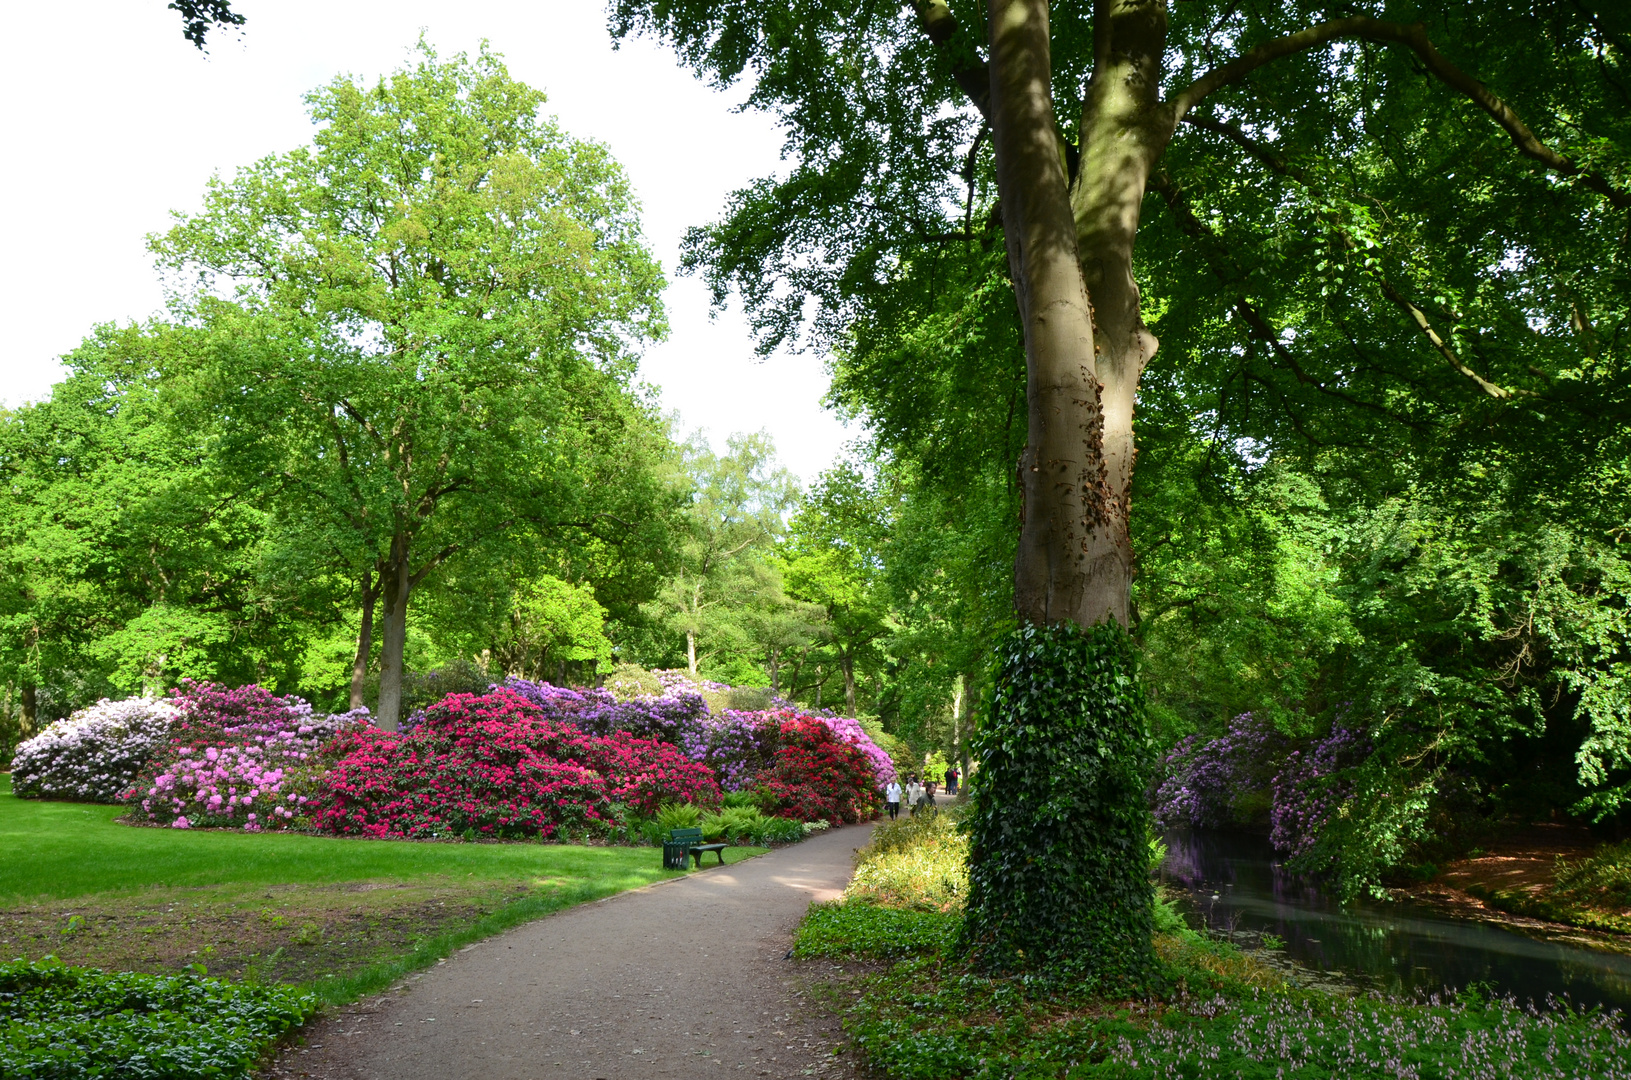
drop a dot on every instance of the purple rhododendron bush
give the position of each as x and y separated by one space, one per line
239 758
96 754
496 766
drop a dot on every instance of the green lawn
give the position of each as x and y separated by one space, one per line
343 916
57 850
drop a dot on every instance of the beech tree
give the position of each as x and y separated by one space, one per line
1376 210
424 330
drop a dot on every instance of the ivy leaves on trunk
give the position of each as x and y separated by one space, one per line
424 329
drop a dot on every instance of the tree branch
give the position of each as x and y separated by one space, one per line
1413 37
937 22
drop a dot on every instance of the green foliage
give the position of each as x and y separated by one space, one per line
724 585
1603 878
917 863
422 343
554 623
629 681
673 816
859 930
749 825
422 689
1058 830
67 1023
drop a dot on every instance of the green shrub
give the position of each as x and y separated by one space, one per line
862 931
65 1023
735 800
914 863
1603 879
629 681
737 824
671 816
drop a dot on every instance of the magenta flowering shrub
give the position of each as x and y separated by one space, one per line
496 766
238 758
96 754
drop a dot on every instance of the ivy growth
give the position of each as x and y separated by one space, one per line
1058 827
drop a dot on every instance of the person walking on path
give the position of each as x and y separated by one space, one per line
914 794
891 799
951 781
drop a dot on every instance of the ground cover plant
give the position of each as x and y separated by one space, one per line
64 1023
1592 892
917 1010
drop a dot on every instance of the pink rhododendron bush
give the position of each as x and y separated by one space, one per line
239 758
495 766
96 754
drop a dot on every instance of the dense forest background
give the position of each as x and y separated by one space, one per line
1340 525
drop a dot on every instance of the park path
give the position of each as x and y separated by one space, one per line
683 979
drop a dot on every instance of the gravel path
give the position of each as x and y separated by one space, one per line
685 978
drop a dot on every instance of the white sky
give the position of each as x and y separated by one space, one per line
113 120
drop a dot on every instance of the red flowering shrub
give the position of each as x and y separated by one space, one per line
819 776
493 764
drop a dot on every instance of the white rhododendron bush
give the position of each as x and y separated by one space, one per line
96 754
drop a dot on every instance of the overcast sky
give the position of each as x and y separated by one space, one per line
114 120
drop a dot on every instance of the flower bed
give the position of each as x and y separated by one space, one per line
495 766
96 754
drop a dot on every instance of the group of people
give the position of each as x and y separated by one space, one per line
919 794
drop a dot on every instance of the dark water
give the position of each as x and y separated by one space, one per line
1236 884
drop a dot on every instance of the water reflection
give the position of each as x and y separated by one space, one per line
1236 883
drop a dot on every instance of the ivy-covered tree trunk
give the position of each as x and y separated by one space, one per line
1059 879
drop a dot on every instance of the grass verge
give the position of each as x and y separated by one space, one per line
916 1012
337 918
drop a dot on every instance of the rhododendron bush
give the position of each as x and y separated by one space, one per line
96 754
740 746
237 758
494 765
819 776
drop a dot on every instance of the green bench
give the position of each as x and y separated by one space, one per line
688 842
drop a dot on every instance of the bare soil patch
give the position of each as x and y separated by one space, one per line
284 933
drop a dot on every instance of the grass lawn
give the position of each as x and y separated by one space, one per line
345 916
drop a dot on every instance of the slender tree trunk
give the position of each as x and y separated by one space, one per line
846 661
365 641
691 651
396 584
31 709
775 686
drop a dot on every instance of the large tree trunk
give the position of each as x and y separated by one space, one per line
396 584
846 661
1124 131
365 640
1065 569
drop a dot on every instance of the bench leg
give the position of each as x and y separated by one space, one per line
721 854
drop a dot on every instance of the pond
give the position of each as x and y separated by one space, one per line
1235 884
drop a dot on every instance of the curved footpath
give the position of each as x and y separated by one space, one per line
685 978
